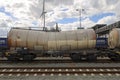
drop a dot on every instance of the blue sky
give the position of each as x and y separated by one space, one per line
2 10
67 20
95 18
99 16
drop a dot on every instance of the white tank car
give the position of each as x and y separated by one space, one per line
57 41
114 44
114 38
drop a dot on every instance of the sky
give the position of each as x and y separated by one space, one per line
26 13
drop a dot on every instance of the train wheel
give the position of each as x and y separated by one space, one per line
28 57
75 57
12 58
114 57
91 58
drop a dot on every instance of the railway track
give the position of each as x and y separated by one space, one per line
59 70
61 61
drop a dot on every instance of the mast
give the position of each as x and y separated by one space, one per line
43 15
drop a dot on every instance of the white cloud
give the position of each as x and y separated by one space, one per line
108 20
87 23
28 11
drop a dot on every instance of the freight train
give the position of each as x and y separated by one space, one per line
82 44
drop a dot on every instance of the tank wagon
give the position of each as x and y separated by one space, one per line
3 45
113 39
76 43
101 43
114 44
27 44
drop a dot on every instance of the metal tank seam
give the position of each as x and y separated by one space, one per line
16 39
27 38
76 39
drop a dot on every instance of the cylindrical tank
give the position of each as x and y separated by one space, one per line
57 41
114 38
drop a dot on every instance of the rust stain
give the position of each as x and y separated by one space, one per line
9 42
116 35
94 35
